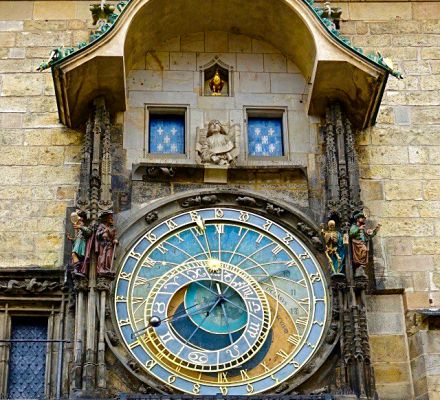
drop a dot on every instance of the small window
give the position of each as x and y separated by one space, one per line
266 133
166 134
27 358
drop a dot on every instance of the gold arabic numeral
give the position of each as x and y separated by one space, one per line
315 277
301 321
274 378
266 368
123 322
244 216
223 390
244 374
171 379
277 249
125 275
196 388
150 364
312 346
249 388
319 323
282 354
289 238
220 228
294 339
304 256
135 255
218 213
151 237
304 301
171 224
148 262
294 363
267 225
222 377
140 281
194 215
122 299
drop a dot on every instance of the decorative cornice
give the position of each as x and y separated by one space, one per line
62 53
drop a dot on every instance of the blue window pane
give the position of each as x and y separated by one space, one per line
27 360
167 134
265 137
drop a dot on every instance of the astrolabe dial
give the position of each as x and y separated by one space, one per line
224 303
221 300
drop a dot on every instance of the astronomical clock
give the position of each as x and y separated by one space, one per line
219 298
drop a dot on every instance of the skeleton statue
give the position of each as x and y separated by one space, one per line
334 246
217 144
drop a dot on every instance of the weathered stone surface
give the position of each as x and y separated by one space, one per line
391 372
23 85
381 11
387 348
403 190
385 323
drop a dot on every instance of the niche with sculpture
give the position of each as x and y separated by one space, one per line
216 78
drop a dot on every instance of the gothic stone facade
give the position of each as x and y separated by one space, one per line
399 161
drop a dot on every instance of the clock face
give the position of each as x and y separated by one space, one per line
221 300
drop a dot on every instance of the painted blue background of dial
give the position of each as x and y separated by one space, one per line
163 262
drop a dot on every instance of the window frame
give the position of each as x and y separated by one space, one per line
166 109
266 112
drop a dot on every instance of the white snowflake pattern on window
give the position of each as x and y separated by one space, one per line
257 131
166 139
160 147
271 148
265 139
258 148
271 132
173 131
173 148
160 131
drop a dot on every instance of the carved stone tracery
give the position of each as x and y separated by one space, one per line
342 202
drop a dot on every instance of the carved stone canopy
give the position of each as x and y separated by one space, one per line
333 69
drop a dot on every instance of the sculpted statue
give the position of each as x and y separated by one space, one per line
217 144
334 247
82 233
105 242
360 237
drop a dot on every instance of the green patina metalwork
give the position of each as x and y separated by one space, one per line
62 53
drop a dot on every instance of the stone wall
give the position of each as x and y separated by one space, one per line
399 160
39 157
400 156
262 77
400 171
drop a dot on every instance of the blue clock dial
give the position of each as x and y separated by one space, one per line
241 302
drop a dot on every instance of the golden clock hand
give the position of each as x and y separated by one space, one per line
201 323
157 320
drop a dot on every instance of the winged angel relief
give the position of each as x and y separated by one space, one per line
217 144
